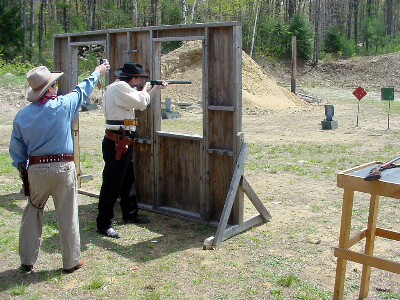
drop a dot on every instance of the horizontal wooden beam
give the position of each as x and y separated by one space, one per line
179 135
236 229
221 108
87 193
142 141
226 152
367 260
88 43
388 234
178 38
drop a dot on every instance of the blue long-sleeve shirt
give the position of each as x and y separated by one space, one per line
46 129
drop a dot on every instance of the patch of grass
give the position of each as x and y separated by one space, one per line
394 107
14 203
10 187
95 284
308 292
50 229
19 290
277 294
310 160
87 160
182 125
8 242
288 281
54 277
5 164
390 295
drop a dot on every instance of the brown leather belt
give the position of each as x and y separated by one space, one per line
125 122
43 159
117 137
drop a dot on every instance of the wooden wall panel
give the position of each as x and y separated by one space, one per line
178 32
61 58
179 174
140 45
221 131
143 172
117 54
221 66
220 179
89 39
222 84
188 174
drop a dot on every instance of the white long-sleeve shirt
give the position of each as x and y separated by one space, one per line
120 101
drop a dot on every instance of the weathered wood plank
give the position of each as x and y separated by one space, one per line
179 173
179 135
143 173
178 38
370 261
85 43
237 175
221 108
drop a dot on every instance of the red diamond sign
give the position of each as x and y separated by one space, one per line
359 93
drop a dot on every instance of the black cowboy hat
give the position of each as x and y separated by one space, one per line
130 69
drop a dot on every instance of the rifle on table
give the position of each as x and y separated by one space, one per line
160 82
376 172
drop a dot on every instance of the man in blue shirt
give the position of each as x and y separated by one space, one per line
41 147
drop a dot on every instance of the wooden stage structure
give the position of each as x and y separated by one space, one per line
195 177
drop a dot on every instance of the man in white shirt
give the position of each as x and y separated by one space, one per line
129 92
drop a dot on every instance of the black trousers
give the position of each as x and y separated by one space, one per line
118 180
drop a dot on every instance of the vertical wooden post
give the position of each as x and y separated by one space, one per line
345 226
294 64
369 245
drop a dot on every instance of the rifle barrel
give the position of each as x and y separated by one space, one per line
159 82
178 82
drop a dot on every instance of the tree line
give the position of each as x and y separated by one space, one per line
341 28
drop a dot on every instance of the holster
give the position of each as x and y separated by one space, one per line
23 174
121 146
122 143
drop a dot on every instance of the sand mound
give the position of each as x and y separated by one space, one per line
259 90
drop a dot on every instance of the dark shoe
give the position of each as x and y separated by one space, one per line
26 268
137 220
77 267
109 232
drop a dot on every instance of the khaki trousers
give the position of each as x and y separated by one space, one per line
57 179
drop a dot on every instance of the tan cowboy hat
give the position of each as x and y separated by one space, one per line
39 79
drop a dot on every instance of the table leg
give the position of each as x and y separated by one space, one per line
347 211
369 245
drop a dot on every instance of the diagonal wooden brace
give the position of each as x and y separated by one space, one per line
238 181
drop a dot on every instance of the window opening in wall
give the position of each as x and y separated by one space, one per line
181 104
88 57
91 120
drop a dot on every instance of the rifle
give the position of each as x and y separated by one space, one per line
160 82
376 172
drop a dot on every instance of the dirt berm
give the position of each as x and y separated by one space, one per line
258 88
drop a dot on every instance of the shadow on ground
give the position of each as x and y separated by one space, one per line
138 243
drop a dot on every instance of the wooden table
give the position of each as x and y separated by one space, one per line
353 180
